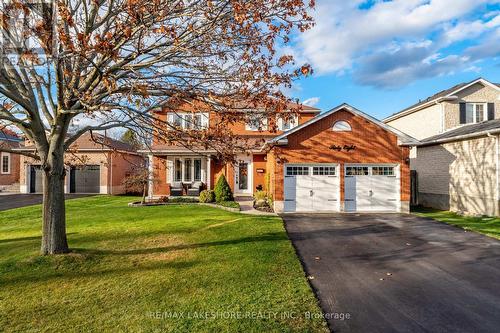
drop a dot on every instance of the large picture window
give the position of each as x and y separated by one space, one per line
187 170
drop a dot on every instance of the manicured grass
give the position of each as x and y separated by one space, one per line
133 268
486 225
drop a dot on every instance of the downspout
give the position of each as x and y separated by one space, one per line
442 116
497 188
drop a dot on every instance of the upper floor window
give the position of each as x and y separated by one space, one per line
189 120
475 113
5 163
256 122
342 126
288 123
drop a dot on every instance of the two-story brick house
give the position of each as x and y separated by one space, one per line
457 159
340 160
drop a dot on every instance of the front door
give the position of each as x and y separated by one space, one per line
36 179
243 176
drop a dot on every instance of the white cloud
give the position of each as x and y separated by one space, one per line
346 37
490 47
311 101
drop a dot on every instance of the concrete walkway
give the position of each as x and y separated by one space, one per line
246 206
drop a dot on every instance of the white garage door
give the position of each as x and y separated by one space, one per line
311 188
372 188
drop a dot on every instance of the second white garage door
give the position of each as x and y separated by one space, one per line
312 188
372 188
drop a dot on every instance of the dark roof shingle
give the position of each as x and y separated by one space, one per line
6 135
440 94
467 130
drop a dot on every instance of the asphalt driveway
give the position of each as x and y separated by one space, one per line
10 201
399 273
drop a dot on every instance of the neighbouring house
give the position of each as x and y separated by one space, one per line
340 160
95 164
456 163
9 161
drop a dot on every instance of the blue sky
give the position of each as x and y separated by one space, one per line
382 56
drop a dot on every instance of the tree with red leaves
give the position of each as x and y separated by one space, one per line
110 63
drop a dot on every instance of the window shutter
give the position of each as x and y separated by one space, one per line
462 113
491 111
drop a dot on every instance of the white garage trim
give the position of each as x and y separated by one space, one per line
359 190
311 187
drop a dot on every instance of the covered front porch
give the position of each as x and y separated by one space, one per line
179 174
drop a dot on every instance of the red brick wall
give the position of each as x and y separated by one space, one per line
236 128
259 178
311 145
161 187
122 166
13 176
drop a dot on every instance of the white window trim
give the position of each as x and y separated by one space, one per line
474 110
262 122
281 122
310 167
335 127
205 119
5 154
183 168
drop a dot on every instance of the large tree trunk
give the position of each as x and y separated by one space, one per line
54 215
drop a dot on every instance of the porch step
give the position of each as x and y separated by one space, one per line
243 198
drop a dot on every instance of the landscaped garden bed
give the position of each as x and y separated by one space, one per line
231 206
220 197
263 202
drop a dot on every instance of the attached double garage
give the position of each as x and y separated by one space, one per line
82 179
318 188
340 161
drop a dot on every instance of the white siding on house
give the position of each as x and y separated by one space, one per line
422 124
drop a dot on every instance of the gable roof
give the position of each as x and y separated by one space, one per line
464 132
447 94
404 139
8 135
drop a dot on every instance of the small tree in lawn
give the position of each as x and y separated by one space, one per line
138 181
222 190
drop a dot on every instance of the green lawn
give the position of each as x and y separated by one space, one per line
486 225
133 268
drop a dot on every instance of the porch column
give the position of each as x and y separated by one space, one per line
150 176
209 170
